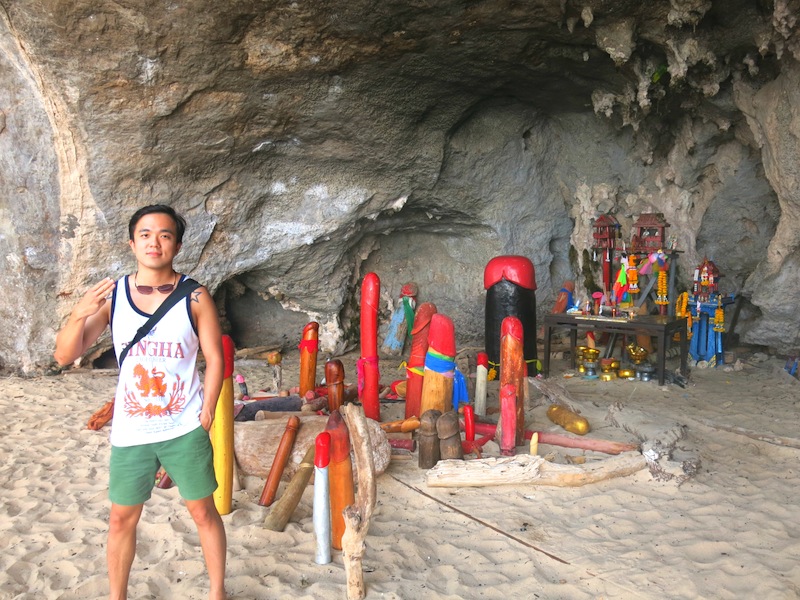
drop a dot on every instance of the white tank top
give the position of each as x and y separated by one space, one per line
159 395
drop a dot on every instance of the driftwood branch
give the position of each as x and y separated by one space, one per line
357 516
530 470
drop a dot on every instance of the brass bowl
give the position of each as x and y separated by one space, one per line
579 350
610 376
636 353
591 354
626 373
607 364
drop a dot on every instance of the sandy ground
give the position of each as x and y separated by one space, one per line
727 531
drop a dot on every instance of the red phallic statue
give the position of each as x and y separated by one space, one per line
510 283
340 475
512 369
507 425
368 372
334 379
416 360
280 461
309 346
437 384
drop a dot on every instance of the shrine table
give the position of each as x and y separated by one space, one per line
661 327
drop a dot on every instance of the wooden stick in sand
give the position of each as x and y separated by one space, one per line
282 510
357 516
368 371
279 462
334 379
309 346
416 359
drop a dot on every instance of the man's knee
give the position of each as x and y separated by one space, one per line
203 512
124 518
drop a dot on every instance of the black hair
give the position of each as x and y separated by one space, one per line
180 222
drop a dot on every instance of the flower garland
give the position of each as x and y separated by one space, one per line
719 317
662 289
682 310
632 275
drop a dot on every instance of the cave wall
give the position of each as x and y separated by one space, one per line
309 144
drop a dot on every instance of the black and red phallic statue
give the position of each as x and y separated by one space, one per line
510 283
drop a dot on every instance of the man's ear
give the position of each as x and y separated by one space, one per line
131 244
178 247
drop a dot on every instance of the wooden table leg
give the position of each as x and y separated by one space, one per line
546 358
573 343
662 355
684 350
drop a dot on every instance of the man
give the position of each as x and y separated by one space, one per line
161 413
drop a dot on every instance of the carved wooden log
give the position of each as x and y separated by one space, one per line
555 439
481 379
279 462
449 433
416 359
437 384
530 470
309 346
221 433
269 404
282 510
357 515
507 425
340 474
322 500
428 439
513 370
274 360
401 425
334 379
368 371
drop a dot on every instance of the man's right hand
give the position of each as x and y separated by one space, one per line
93 300
85 323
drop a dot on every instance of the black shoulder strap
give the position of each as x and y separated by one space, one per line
186 287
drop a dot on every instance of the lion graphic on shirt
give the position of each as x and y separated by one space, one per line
149 384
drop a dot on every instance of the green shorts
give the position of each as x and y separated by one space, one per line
188 460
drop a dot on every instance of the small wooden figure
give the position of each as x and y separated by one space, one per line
428 440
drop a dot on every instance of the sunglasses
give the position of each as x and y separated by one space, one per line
149 289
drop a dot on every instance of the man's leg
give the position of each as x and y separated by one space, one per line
212 540
121 547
